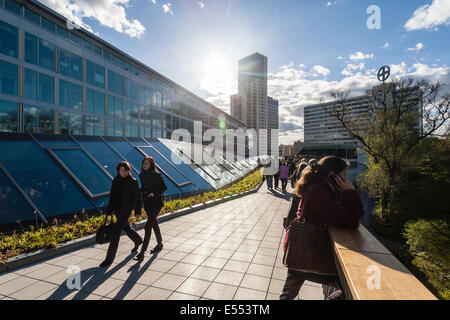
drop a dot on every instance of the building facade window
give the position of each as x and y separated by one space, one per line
46 88
9 42
69 123
95 126
75 96
115 82
30 84
8 116
95 101
95 74
63 96
48 25
31 48
46 55
29 119
46 120
131 89
76 67
32 16
13 7
63 62
8 78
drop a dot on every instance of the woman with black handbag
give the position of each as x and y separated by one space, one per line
123 199
152 191
325 197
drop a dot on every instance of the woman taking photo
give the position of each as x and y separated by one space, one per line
123 198
152 191
324 196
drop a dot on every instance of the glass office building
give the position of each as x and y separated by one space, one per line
72 106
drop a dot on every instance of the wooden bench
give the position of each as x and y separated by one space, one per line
361 259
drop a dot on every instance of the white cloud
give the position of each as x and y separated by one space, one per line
167 7
419 46
386 45
109 13
201 4
430 16
360 56
349 70
321 70
331 3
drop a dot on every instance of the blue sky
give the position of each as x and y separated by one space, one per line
313 46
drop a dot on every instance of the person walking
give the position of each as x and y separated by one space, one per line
153 187
297 173
322 196
124 197
268 175
276 177
284 174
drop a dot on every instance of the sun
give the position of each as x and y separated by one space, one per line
217 69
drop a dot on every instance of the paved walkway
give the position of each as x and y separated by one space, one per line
230 251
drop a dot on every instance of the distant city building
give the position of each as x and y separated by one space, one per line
321 127
251 105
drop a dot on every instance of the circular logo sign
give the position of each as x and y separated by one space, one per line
384 73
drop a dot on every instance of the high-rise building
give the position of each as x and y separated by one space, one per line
272 122
251 104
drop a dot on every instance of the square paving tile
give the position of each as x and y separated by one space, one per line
152 293
169 281
260 270
183 269
249 294
194 287
220 291
214 262
251 281
33 291
182 296
238 266
229 277
205 273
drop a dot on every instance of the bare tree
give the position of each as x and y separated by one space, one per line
398 117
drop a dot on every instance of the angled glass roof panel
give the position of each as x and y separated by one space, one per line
53 141
13 206
91 176
45 184
101 152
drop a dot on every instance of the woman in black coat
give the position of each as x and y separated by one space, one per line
152 191
123 198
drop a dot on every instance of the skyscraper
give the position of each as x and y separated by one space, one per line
251 104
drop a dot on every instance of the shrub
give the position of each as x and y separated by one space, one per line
429 247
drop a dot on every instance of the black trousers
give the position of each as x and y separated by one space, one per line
152 223
277 179
295 279
121 225
284 184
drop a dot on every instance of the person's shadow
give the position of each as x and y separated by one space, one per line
90 279
135 274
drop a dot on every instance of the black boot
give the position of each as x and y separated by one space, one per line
158 247
105 264
139 257
136 247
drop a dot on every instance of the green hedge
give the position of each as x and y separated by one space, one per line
44 237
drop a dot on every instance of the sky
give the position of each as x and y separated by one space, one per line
313 46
